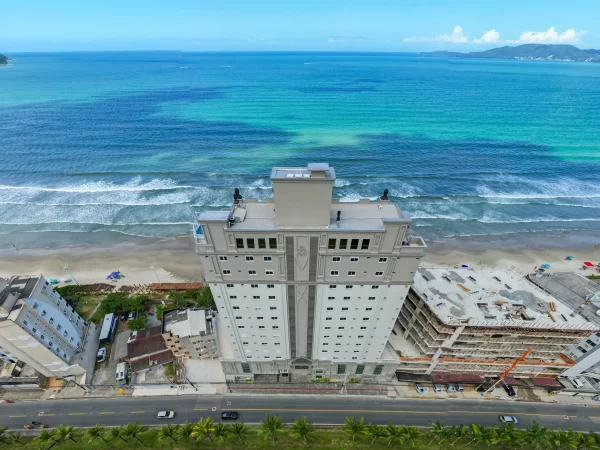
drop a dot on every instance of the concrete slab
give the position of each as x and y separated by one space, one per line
204 371
119 347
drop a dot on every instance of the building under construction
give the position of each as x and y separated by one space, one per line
480 322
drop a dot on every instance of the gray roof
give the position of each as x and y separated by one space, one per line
22 286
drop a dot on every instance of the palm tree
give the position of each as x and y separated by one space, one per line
134 430
354 427
303 429
65 433
490 436
46 437
393 432
15 437
375 432
460 432
564 439
271 427
168 432
507 434
185 430
478 433
239 430
3 434
436 430
220 432
588 441
446 432
537 436
118 432
203 429
410 436
96 434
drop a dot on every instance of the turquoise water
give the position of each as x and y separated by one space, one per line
138 143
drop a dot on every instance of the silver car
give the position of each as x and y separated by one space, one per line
450 388
438 387
508 419
165 414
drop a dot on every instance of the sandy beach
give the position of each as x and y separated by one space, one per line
174 259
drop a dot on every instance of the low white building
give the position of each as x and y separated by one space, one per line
38 327
189 333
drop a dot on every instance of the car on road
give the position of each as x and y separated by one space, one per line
438 387
508 419
230 415
509 390
460 387
419 387
131 315
450 389
165 414
101 355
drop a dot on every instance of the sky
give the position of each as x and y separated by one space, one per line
288 25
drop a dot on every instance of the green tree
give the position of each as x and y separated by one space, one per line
587 441
181 303
393 432
3 434
537 436
561 440
507 435
135 430
118 432
168 432
354 427
303 429
477 433
271 427
47 437
410 436
160 311
204 299
446 433
375 432
203 429
95 433
185 430
139 323
220 433
460 432
15 438
115 302
138 302
65 433
436 430
239 430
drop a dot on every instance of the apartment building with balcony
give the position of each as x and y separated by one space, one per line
305 284
38 327
481 321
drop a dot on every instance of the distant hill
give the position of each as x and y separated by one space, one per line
529 51
3 59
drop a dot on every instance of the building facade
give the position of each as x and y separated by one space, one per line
38 327
189 333
481 322
304 284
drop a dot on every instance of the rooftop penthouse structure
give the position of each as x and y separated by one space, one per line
304 283
481 321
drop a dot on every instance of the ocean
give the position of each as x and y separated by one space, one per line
139 143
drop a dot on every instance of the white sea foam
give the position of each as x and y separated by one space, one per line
525 188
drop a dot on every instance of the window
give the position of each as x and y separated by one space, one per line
360 369
590 342
277 343
232 297
331 244
327 318
378 274
272 243
252 272
371 298
328 328
238 317
361 336
354 244
348 286
346 298
250 243
259 318
363 328
261 327
268 272
338 344
241 326
341 369
249 258
330 308
222 258
273 318
24 322
271 297
365 244
270 286
368 309
344 309
275 327
340 335
267 258
354 259
239 243
340 328
382 260
44 337
351 273
342 318
262 243
254 286
365 318
33 329
330 298
334 273
272 308
236 307
336 259
256 297
325 343
227 272
374 287
378 369
333 286
244 343
581 349
230 285
245 368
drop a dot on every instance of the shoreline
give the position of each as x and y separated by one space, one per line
92 256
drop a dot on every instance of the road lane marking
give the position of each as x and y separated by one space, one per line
342 410
48 415
18 416
137 412
76 414
200 409
514 412
107 412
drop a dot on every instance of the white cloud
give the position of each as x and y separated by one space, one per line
337 40
491 37
457 37
549 37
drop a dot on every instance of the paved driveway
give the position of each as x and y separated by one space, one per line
119 347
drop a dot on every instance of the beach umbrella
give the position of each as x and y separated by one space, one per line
569 258
53 280
464 266
588 263
546 266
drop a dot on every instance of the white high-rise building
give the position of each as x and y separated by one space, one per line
304 284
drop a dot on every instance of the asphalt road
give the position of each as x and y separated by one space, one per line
320 410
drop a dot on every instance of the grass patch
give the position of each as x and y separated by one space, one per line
593 277
85 304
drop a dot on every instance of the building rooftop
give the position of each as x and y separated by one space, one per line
21 286
493 298
146 342
313 170
185 322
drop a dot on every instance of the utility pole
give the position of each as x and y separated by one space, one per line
509 370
